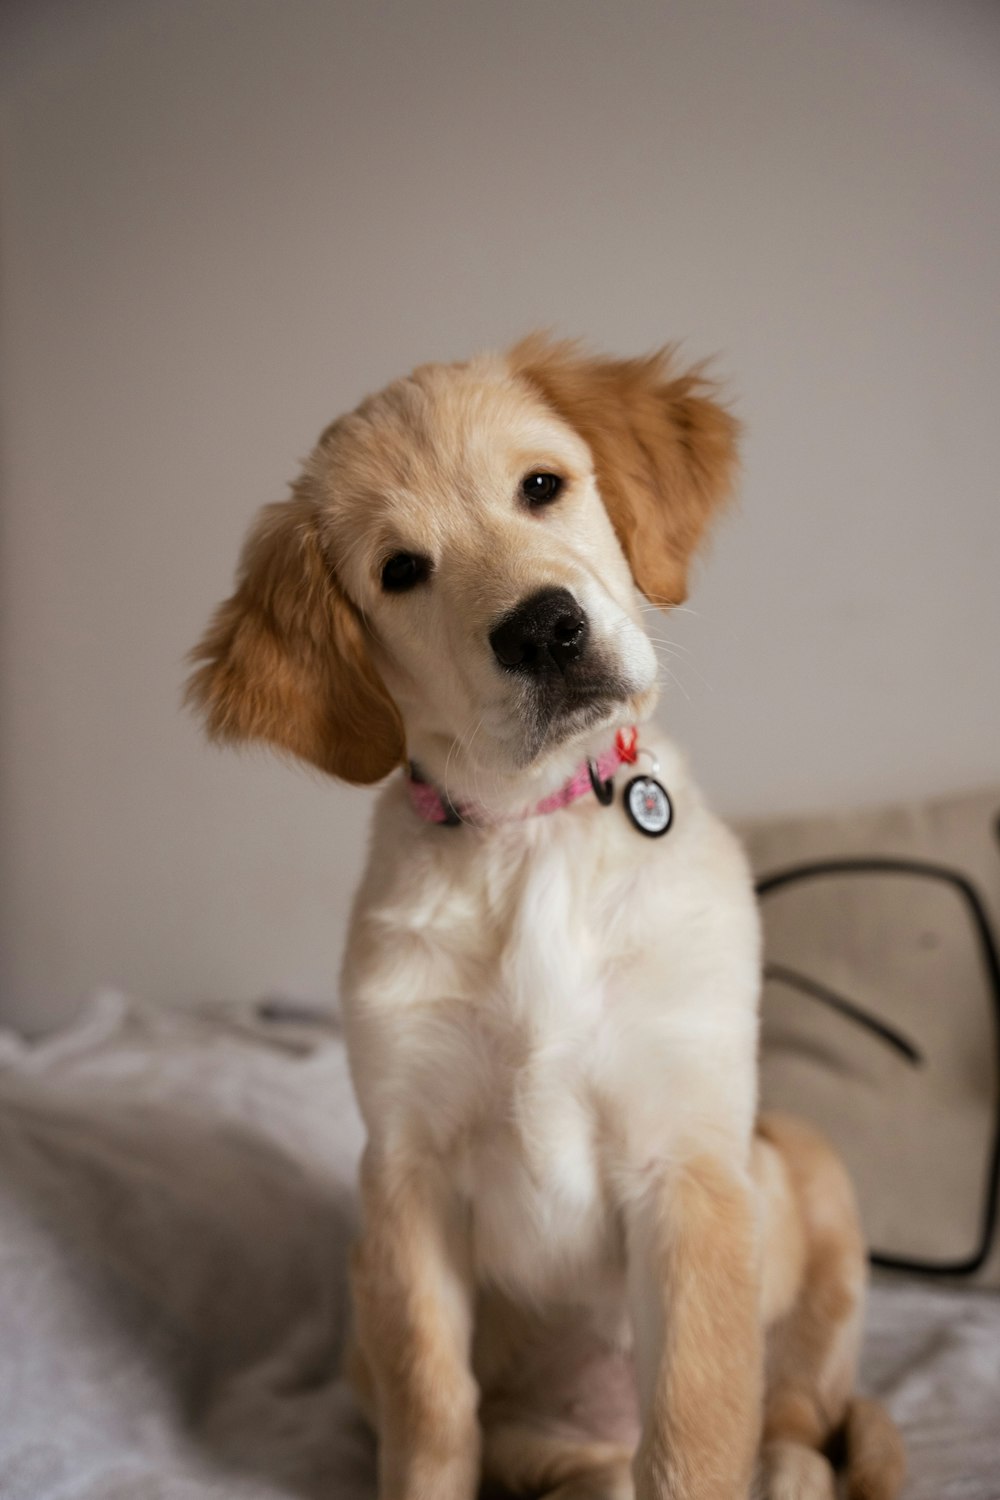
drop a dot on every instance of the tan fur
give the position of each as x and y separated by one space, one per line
664 450
813 1344
409 1281
572 1244
527 1457
876 1461
285 660
812 1354
701 1431
813 1272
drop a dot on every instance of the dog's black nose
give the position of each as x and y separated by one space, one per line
548 629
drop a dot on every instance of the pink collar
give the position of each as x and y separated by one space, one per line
428 803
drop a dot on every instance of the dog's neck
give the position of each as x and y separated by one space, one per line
456 793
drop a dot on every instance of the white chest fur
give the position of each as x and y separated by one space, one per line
548 1011
535 1163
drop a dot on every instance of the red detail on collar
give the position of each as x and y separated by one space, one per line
627 745
428 803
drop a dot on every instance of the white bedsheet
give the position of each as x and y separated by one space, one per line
175 1206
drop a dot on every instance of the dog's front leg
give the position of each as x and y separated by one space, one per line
694 1301
413 1306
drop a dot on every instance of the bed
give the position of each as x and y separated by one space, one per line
176 1192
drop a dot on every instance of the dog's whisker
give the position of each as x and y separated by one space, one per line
651 606
454 751
663 647
460 746
666 648
672 677
688 665
673 646
620 627
475 768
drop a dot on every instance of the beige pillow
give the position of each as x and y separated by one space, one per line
893 916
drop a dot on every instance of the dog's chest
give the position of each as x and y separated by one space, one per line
545 1017
533 1169
533 1162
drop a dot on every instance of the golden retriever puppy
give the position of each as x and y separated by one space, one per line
582 1270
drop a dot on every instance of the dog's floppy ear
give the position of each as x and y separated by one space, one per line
285 659
664 451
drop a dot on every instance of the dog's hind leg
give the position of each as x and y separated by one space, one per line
814 1287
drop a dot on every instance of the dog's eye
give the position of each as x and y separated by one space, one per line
404 571
542 489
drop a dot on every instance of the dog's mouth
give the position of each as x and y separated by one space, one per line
560 706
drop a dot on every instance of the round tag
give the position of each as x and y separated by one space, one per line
648 806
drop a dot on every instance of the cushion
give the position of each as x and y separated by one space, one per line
881 1014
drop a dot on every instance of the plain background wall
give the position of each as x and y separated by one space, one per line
224 221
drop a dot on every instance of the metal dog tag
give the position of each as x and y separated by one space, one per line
648 806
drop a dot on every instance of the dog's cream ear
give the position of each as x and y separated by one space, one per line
664 450
285 660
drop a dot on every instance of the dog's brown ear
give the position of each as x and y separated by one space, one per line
664 450
285 659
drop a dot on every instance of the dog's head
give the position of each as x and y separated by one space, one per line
458 573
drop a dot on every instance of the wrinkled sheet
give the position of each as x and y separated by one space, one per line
176 1202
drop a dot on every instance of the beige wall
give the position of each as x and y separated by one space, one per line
225 220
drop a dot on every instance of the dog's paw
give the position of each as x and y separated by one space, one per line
791 1471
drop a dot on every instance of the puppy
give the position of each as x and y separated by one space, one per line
583 1271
